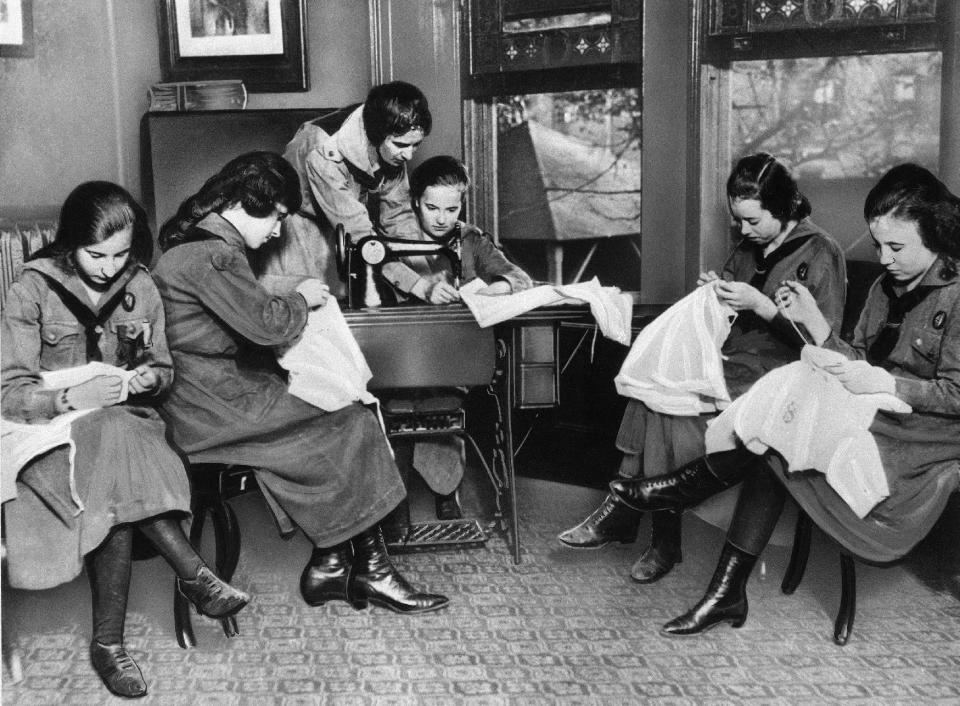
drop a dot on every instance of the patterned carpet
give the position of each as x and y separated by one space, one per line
561 627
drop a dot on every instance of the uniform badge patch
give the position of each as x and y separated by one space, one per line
939 319
129 301
802 271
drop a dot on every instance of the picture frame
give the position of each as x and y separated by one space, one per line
16 28
261 42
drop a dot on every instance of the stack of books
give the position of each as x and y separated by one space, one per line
198 95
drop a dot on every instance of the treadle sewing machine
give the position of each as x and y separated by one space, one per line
414 348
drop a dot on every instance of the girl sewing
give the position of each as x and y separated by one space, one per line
437 188
906 343
329 474
777 241
88 297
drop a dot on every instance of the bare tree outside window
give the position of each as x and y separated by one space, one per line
839 117
571 162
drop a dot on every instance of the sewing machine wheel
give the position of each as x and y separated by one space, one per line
372 250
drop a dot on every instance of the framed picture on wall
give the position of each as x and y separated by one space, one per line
262 42
16 28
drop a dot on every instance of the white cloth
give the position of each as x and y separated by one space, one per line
674 367
21 443
327 367
611 308
808 416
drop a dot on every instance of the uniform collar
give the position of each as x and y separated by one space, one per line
934 277
351 142
219 226
71 280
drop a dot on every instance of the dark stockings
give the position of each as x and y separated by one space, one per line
762 496
167 535
108 568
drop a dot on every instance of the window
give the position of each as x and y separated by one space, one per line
569 170
840 117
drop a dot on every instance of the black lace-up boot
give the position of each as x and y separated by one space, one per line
325 577
374 579
689 486
725 600
613 521
664 550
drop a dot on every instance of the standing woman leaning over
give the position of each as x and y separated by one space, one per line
778 242
356 176
87 297
330 474
906 343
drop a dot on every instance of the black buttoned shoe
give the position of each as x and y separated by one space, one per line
120 674
212 596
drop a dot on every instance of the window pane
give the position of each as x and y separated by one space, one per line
839 117
569 166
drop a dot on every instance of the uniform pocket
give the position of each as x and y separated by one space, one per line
62 345
924 352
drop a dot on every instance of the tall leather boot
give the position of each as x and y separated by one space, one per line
374 579
613 521
725 600
210 595
108 569
325 576
754 519
664 550
689 486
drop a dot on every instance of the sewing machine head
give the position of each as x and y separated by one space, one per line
374 250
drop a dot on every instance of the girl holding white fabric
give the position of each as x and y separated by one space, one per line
88 297
778 242
329 474
906 343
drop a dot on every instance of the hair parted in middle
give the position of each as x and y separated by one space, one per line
395 108
442 170
258 181
93 212
760 176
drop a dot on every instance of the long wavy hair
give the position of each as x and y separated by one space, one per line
93 212
912 193
258 181
760 176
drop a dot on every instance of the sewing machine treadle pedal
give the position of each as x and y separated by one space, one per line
428 536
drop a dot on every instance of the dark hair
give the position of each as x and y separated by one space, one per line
911 193
442 170
395 108
92 213
258 181
760 176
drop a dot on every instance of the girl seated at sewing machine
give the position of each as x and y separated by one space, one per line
437 188
465 253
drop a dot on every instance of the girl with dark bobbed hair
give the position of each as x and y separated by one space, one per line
906 343
87 297
356 176
330 474
778 241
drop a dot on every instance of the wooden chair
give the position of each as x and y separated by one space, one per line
212 486
847 611
843 625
